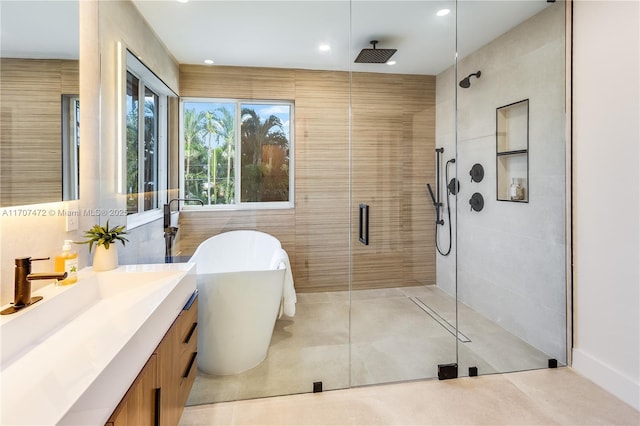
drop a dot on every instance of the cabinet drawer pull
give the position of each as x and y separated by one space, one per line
190 333
191 363
158 404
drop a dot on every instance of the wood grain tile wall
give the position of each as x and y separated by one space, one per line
393 157
31 128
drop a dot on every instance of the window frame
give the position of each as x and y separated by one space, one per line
238 204
147 79
70 147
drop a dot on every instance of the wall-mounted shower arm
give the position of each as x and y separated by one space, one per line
465 83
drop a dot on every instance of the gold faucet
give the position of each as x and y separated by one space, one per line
23 278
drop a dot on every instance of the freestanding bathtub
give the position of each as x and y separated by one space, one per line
244 283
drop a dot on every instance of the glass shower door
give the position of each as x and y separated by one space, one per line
401 326
309 350
511 243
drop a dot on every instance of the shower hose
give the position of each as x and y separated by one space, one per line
446 174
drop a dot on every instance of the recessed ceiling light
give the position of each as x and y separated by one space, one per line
324 47
208 61
183 1
391 62
443 12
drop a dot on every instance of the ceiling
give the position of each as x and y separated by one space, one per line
285 33
39 29
288 33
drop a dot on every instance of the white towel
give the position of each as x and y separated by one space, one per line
280 260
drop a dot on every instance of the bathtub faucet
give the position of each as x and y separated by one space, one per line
186 200
167 208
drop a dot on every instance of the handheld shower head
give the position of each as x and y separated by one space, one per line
433 197
465 83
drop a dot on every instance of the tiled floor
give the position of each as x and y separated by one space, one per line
392 340
539 397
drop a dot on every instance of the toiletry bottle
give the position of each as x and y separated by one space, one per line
67 261
515 190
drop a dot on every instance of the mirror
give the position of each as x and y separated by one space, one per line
39 109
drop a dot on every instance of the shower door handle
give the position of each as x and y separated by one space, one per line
363 228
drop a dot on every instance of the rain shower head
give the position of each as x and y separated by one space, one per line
465 83
374 56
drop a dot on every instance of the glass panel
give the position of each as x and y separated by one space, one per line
402 324
511 121
265 141
209 151
291 120
150 183
132 117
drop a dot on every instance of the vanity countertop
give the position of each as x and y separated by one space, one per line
70 358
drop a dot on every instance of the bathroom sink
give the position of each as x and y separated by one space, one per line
74 354
131 280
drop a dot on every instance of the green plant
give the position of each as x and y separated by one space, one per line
102 235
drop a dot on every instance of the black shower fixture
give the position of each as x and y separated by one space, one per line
454 186
477 202
465 82
374 56
477 173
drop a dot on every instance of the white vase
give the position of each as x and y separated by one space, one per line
105 259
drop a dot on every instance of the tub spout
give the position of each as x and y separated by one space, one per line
167 208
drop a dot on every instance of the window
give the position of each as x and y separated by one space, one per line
145 143
70 147
142 146
237 153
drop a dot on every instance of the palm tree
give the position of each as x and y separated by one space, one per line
210 131
194 147
254 134
225 128
150 152
132 158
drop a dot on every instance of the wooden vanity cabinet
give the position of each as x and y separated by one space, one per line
159 393
177 364
138 406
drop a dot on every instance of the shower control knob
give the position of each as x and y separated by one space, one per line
477 173
477 202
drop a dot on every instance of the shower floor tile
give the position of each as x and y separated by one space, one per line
392 340
541 397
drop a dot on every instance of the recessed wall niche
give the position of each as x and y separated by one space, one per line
512 152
